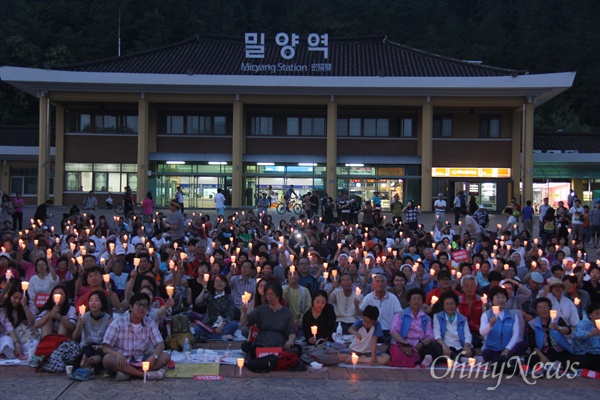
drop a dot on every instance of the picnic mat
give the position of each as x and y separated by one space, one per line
192 370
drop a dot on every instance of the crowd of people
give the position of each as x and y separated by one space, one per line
422 294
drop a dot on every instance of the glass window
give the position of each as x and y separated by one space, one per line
489 127
175 124
129 167
78 166
383 127
355 127
342 127
100 181
220 125
131 124
370 127
85 123
293 126
406 127
261 126
442 127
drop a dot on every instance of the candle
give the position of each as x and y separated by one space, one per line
292 269
339 245
458 275
8 275
24 286
175 245
56 297
49 253
245 298
240 364
313 330
171 264
183 256
212 260
484 299
450 364
368 261
145 368
415 267
150 250
233 258
358 291
354 360
576 301
102 261
432 272
496 310
206 277
80 260
553 314
597 322
258 269
111 246
81 310
106 278
471 362
136 262
325 275
434 299
170 290
334 273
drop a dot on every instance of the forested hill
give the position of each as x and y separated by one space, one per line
540 36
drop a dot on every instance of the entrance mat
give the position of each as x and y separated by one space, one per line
191 370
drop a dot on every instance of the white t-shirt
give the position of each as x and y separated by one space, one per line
220 200
440 204
576 215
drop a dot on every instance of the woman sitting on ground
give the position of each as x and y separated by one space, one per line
59 317
91 328
451 329
17 318
412 328
275 323
220 311
321 315
586 340
501 331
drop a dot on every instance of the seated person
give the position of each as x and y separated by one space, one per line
127 339
220 310
345 303
412 326
275 323
586 340
366 331
321 315
16 319
547 337
451 330
91 328
57 317
500 331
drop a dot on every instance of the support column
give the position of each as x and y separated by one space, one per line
44 150
142 149
426 150
528 151
331 185
237 153
59 156
515 153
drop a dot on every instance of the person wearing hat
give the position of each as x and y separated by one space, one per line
565 307
534 282
440 207
175 223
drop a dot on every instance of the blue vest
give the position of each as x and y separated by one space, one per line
406 321
558 337
501 332
461 321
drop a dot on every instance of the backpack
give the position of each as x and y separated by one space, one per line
48 344
65 354
180 324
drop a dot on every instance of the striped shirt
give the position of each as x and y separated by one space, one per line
123 336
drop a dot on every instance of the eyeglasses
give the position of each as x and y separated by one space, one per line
141 305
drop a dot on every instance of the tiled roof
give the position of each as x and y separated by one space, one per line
567 142
356 57
28 136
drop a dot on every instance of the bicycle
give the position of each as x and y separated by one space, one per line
138 209
290 205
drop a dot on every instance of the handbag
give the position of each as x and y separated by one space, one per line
400 359
324 354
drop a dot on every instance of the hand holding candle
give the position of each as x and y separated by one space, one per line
496 310
484 299
24 286
81 310
170 291
553 314
434 299
56 297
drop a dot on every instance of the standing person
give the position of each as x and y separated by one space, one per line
90 203
128 202
473 204
41 212
440 207
127 339
457 204
263 206
7 209
594 224
175 223
220 202
528 217
148 205
412 215
396 208
542 212
576 212
179 197
17 217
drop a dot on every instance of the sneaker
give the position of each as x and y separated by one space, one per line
156 375
227 337
426 361
8 352
122 376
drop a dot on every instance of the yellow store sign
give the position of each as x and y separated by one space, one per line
470 172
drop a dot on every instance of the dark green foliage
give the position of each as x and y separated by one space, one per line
541 36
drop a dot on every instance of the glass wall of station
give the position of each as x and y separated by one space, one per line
199 182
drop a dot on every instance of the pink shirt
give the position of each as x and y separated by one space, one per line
415 331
